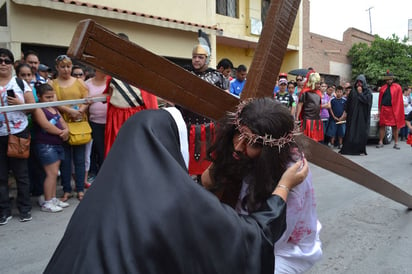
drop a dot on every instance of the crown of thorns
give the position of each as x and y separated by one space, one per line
252 138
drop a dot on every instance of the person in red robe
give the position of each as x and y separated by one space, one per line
123 102
308 111
391 109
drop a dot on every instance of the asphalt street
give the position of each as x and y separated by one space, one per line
363 232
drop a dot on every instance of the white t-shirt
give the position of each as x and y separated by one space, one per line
17 119
407 104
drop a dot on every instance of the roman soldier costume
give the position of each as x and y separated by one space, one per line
201 129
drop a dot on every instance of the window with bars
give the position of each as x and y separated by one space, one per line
227 7
3 15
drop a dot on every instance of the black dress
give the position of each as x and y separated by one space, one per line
144 214
358 110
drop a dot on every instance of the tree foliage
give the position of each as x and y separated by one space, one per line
383 54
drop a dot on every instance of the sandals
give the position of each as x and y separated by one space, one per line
66 196
80 196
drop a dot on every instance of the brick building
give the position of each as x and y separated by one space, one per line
327 55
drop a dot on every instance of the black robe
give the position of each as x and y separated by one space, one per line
144 214
358 110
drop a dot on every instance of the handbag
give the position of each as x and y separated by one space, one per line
18 146
80 133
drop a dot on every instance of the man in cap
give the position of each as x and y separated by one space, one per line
201 129
44 71
284 97
391 109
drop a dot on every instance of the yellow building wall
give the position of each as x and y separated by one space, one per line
238 56
239 28
161 41
56 28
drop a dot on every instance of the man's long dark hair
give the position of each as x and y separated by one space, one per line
262 116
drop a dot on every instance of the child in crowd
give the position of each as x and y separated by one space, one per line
336 126
284 97
50 132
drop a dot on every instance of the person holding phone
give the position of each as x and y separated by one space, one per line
10 93
13 122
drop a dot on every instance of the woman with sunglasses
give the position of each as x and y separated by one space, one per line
68 87
13 122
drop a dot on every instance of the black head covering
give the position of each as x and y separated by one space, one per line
144 214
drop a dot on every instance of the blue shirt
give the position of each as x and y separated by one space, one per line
236 86
338 106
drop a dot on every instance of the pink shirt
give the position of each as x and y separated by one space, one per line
98 110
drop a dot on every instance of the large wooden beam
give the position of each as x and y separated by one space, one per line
271 49
324 157
98 47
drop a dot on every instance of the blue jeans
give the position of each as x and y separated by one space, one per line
403 132
325 127
21 174
36 171
75 153
97 155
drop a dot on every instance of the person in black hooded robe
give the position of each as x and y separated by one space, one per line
357 114
144 214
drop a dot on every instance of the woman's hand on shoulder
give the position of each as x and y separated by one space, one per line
295 174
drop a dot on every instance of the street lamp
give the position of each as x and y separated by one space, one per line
370 20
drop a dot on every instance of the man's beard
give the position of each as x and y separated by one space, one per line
241 166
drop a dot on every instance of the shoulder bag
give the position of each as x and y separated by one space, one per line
18 145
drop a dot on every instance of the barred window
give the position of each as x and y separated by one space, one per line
3 15
227 7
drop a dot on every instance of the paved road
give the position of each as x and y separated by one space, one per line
363 232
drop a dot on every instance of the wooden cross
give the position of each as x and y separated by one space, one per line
98 47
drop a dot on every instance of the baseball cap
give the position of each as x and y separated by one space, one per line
283 81
43 67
